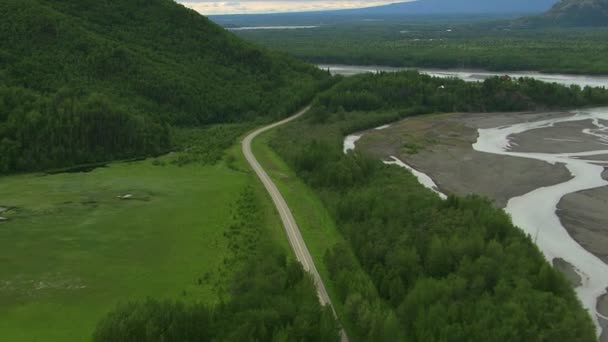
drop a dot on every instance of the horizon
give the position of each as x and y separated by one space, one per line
209 7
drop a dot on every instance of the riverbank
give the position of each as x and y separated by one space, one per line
440 146
583 214
471 75
525 160
602 308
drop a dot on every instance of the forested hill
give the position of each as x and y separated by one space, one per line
580 12
571 13
83 81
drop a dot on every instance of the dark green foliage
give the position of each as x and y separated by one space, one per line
488 44
270 299
154 320
205 145
87 81
41 132
369 317
453 270
419 93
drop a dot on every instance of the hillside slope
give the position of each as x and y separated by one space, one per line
570 13
87 81
579 13
419 11
452 7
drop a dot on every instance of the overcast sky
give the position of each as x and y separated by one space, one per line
207 7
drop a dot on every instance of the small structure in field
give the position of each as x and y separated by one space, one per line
125 196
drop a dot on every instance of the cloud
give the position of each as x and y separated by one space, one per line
208 7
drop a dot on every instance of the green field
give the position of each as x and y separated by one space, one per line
72 249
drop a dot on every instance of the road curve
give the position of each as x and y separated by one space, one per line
291 227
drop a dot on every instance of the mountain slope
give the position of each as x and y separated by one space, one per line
419 10
84 81
451 7
569 13
579 13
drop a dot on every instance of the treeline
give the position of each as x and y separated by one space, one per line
38 132
453 270
206 145
73 73
270 298
499 46
410 90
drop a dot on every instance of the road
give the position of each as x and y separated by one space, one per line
291 227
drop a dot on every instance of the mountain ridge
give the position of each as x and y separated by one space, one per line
419 9
460 7
579 13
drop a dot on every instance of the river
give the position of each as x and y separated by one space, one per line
472 75
536 212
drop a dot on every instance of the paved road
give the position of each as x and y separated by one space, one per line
291 227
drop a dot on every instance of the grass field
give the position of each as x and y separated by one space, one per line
72 249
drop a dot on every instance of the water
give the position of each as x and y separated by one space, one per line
535 212
474 75
249 28
423 178
349 145
349 142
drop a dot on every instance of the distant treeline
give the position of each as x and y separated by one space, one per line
87 81
270 298
492 46
442 270
410 90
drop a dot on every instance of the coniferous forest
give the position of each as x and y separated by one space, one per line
481 43
90 81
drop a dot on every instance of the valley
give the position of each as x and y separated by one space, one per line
443 42
433 170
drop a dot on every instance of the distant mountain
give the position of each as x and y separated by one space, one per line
568 13
413 10
578 13
451 7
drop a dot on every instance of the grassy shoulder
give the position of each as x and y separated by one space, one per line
72 248
316 225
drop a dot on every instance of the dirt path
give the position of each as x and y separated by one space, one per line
291 227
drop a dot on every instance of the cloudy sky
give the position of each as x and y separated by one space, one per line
207 7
